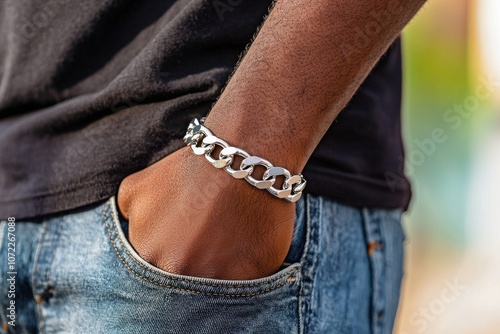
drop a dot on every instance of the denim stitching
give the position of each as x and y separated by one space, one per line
40 322
186 280
302 258
316 203
371 223
309 254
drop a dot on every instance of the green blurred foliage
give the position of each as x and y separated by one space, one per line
435 80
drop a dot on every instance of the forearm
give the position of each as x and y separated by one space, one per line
303 67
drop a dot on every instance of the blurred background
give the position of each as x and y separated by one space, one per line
452 87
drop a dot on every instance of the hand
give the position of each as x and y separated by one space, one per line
186 217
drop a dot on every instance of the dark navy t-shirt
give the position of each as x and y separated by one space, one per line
92 91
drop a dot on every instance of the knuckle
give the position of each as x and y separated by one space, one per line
125 195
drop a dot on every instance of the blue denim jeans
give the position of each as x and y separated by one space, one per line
77 273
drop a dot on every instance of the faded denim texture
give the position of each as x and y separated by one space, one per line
77 273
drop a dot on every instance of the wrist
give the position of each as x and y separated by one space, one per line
213 184
273 140
240 164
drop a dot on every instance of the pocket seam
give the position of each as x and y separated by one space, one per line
113 242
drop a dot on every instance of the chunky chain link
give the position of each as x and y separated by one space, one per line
203 142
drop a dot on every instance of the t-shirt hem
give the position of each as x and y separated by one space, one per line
58 202
361 191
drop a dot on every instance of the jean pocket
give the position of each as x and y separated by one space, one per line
174 303
287 278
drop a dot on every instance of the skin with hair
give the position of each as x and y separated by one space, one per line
306 62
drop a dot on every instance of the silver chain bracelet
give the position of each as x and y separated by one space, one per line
203 142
